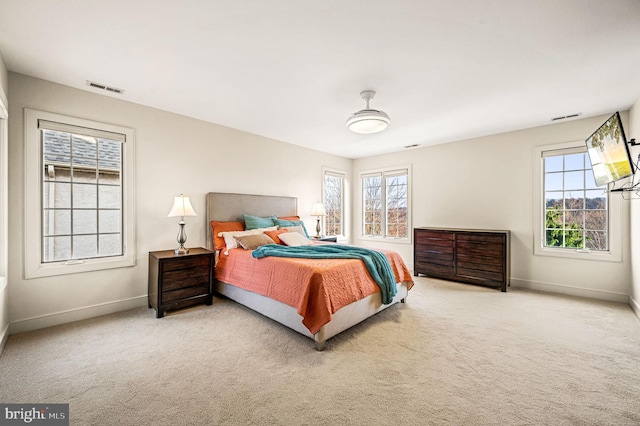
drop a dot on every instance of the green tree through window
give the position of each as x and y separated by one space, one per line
576 209
333 187
385 197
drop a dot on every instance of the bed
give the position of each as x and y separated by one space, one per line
251 289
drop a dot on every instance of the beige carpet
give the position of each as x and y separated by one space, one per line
452 355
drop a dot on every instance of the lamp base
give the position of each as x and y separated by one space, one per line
181 250
182 238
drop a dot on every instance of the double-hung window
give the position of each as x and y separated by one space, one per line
333 188
574 216
79 186
386 208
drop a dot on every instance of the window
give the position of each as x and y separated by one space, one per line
575 218
79 183
575 207
385 197
333 198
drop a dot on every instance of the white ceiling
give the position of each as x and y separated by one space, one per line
293 70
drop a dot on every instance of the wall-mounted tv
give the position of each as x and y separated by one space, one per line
609 152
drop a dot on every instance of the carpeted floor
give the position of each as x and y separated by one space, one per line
454 354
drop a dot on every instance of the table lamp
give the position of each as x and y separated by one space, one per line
181 208
318 211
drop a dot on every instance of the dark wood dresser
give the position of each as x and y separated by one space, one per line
179 281
475 256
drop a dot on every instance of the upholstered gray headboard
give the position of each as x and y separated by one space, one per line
223 207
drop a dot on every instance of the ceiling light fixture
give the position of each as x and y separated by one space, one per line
368 120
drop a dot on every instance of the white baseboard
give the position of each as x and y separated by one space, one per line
571 290
3 315
72 315
3 338
635 306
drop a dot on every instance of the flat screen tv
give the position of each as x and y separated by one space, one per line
609 152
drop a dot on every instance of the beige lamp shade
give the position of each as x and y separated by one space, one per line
181 207
318 209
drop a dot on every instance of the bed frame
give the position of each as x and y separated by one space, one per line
231 207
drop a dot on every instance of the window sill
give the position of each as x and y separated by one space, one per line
385 239
599 256
64 268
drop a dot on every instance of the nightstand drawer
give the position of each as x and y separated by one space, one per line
185 263
185 303
185 293
184 278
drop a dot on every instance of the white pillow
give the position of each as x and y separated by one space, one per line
230 236
297 228
294 239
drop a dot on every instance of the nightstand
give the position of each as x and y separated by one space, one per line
179 281
326 239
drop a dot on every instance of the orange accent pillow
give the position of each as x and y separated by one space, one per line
274 235
217 227
289 217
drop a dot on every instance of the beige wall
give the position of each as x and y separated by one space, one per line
174 154
488 183
634 292
4 80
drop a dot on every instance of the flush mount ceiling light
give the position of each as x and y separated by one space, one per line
368 120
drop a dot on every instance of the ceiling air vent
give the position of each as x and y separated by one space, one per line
104 87
564 117
412 146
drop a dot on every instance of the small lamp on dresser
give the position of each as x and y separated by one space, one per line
181 208
318 211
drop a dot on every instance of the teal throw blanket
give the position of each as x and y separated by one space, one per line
377 263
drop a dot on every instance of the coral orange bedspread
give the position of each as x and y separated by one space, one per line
317 288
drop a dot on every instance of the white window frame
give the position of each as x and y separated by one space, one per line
387 171
614 254
33 265
345 184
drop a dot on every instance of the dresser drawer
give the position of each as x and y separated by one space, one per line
428 237
426 244
479 275
433 269
440 257
476 249
481 238
480 263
